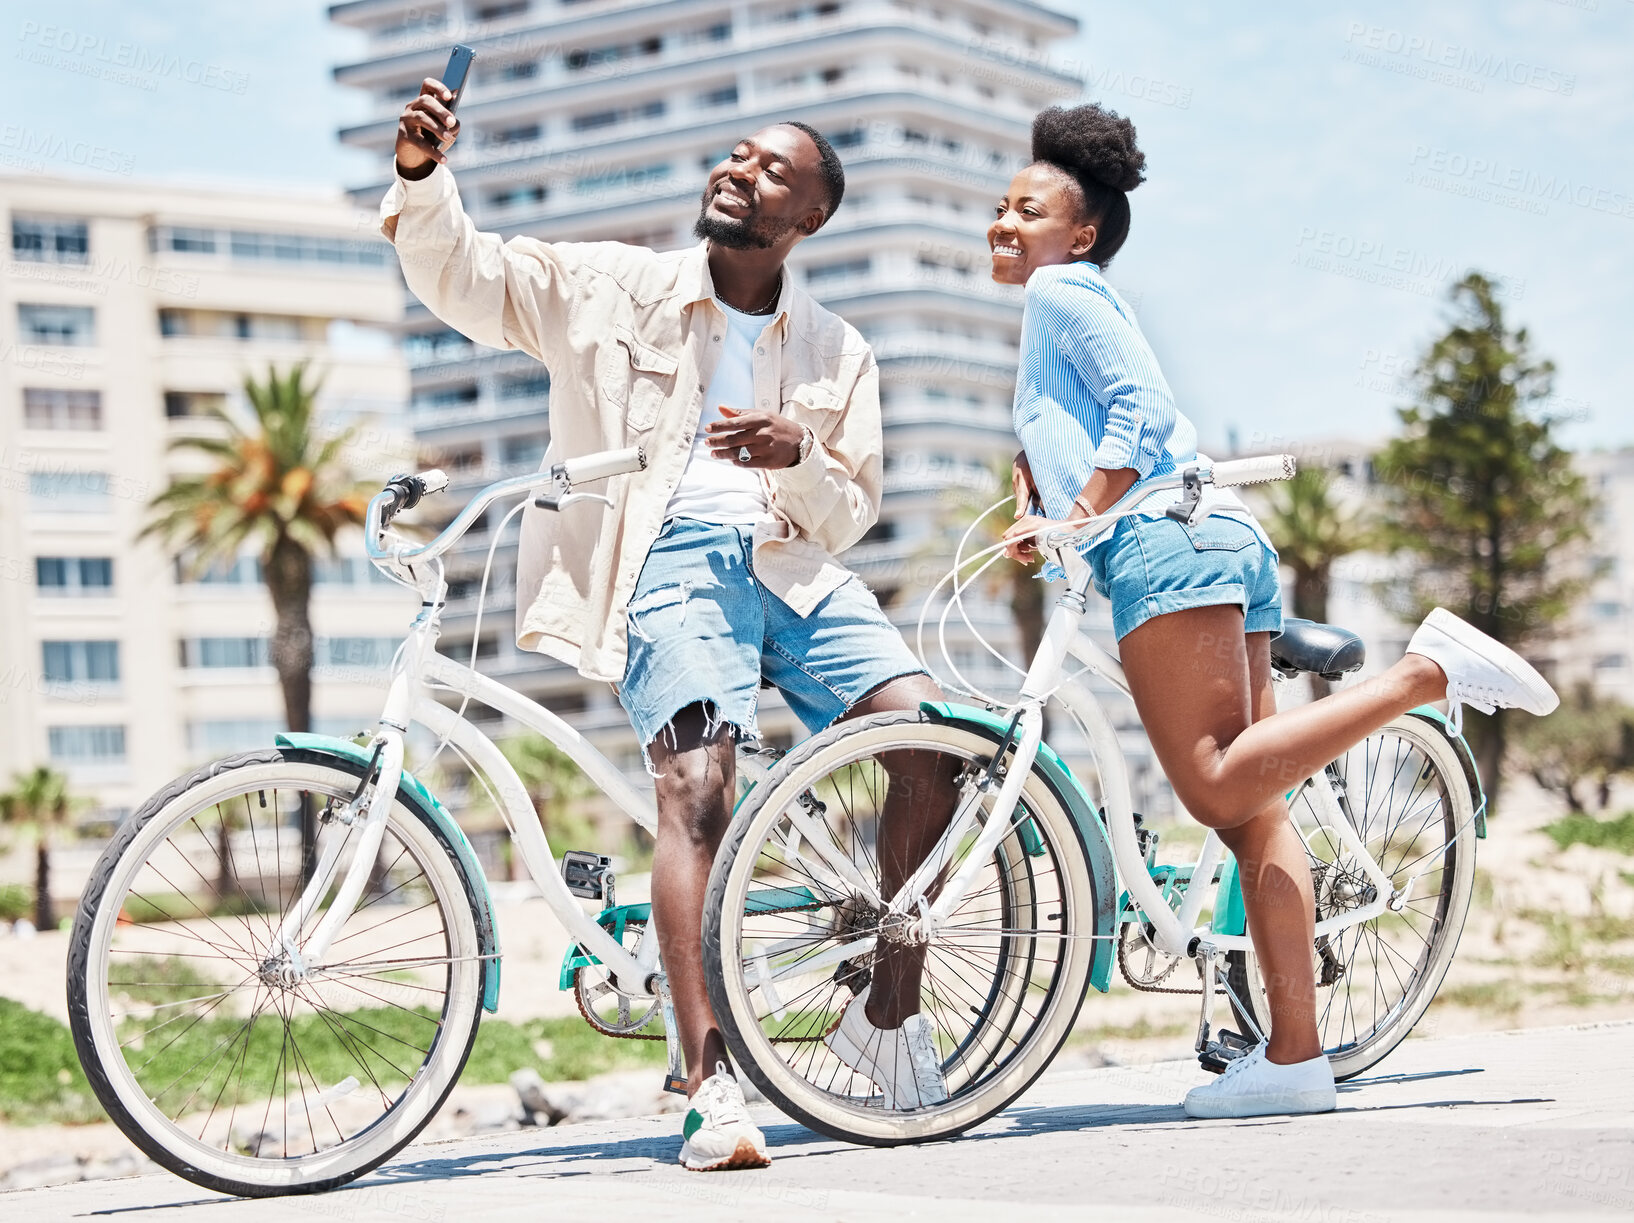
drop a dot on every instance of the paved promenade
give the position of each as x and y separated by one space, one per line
1534 1125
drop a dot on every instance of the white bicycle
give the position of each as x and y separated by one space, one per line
1036 888
263 1020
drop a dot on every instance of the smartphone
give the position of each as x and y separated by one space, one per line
459 65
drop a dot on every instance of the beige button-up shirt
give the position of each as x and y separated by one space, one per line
631 339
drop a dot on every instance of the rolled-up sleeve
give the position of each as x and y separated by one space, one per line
1108 353
834 495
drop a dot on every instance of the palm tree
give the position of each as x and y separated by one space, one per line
38 798
279 485
1311 530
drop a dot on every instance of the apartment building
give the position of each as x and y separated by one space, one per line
127 311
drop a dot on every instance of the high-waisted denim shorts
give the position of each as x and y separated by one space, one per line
703 630
1152 566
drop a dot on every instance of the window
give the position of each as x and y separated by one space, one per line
87 744
607 118
370 652
509 135
68 492
74 576
510 196
219 736
181 404
191 241
445 397
175 322
493 12
245 571
49 240
523 451
82 662
625 179
525 388
726 95
834 271
847 139
306 248
72 326
55 408
517 70
222 653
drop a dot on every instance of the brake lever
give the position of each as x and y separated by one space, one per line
549 501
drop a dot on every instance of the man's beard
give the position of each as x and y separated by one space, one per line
750 233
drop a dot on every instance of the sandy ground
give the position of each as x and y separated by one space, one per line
1518 966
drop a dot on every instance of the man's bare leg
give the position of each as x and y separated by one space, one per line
697 773
918 805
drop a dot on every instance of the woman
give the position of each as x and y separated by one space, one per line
1194 607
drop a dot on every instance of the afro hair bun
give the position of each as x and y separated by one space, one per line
1090 143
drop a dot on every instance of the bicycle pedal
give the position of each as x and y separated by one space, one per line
676 1083
587 873
1225 1049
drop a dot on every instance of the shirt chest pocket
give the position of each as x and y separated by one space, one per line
637 377
814 405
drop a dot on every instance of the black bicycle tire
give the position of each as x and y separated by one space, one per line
79 950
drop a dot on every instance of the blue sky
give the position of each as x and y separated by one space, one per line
1317 174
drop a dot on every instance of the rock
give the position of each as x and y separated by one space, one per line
538 1106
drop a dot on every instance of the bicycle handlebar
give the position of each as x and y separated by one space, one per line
1233 473
404 492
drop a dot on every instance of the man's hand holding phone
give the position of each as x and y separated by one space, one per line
427 128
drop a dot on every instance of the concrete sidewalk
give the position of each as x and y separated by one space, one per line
1536 1124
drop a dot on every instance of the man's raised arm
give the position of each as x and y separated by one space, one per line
513 294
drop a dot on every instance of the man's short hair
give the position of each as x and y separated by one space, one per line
828 165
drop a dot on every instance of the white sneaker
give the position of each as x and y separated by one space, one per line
902 1062
1480 671
718 1132
1250 1086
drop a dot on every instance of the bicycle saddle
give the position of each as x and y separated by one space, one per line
1305 645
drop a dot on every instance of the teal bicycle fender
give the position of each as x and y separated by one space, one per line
1229 915
1065 787
487 929
1466 757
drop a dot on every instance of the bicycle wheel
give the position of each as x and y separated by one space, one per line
1405 793
790 931
217 1056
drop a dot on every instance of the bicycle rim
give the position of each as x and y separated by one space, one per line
1408 800
202 1037
797 940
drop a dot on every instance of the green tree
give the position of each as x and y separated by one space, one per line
280 485
1480 495
39 800
1587 741
1311 529
556 787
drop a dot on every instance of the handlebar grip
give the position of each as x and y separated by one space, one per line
601 466
432 482
1261 470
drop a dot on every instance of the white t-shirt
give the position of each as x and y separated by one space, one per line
719 490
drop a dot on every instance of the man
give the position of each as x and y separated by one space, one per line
759 414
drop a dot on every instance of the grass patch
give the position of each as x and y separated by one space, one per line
1503 996
16 901
1580 828
40 1078
156 979
175 906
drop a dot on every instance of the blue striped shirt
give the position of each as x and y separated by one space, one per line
1089 393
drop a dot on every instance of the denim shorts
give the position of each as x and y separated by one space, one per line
1152 566
702 629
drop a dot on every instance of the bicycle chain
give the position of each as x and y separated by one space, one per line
590 1018
1129 976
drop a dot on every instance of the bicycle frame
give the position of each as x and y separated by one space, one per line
408 701
1174 932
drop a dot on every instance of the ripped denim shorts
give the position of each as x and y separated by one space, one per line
704 630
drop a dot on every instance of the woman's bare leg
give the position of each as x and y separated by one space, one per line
1189 674
1204 692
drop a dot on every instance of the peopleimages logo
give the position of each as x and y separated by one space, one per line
1492 180
1448 63
125 62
